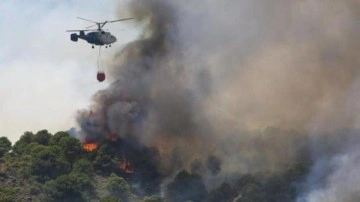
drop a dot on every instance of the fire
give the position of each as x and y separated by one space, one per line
90 147
126 167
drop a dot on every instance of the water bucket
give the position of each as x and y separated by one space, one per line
100 76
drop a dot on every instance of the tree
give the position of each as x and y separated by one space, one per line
110 198
154 198
297 172
223 193
104 160
83 166
20 146
72 187
5 146
118 187
245 180
144 161
186 187
42 137
8 194
49 164
55 139
34 148
278 189
71 148
251 193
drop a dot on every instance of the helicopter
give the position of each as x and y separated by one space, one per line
97 36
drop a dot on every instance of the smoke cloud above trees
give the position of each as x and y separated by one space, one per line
239 87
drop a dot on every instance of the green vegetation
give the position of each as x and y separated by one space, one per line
46 167
7 194
118 187
5 146
154 198
186 187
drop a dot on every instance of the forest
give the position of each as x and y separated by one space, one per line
58 167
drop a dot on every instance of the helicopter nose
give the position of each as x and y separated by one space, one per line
114 39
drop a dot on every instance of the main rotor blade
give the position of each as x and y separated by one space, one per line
87 20
120 20
91 26
78 30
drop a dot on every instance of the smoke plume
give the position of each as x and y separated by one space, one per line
238 87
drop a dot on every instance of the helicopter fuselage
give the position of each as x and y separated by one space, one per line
99 38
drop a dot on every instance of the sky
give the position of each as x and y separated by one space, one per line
44 77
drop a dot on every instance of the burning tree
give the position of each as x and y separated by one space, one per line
129 159
90 146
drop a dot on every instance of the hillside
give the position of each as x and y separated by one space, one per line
46 167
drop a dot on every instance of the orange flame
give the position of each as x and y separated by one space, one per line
126 167
90 147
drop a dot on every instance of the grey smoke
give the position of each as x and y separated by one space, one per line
207 77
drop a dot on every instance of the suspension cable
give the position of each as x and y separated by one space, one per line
98 60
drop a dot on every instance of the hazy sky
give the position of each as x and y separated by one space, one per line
44 77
